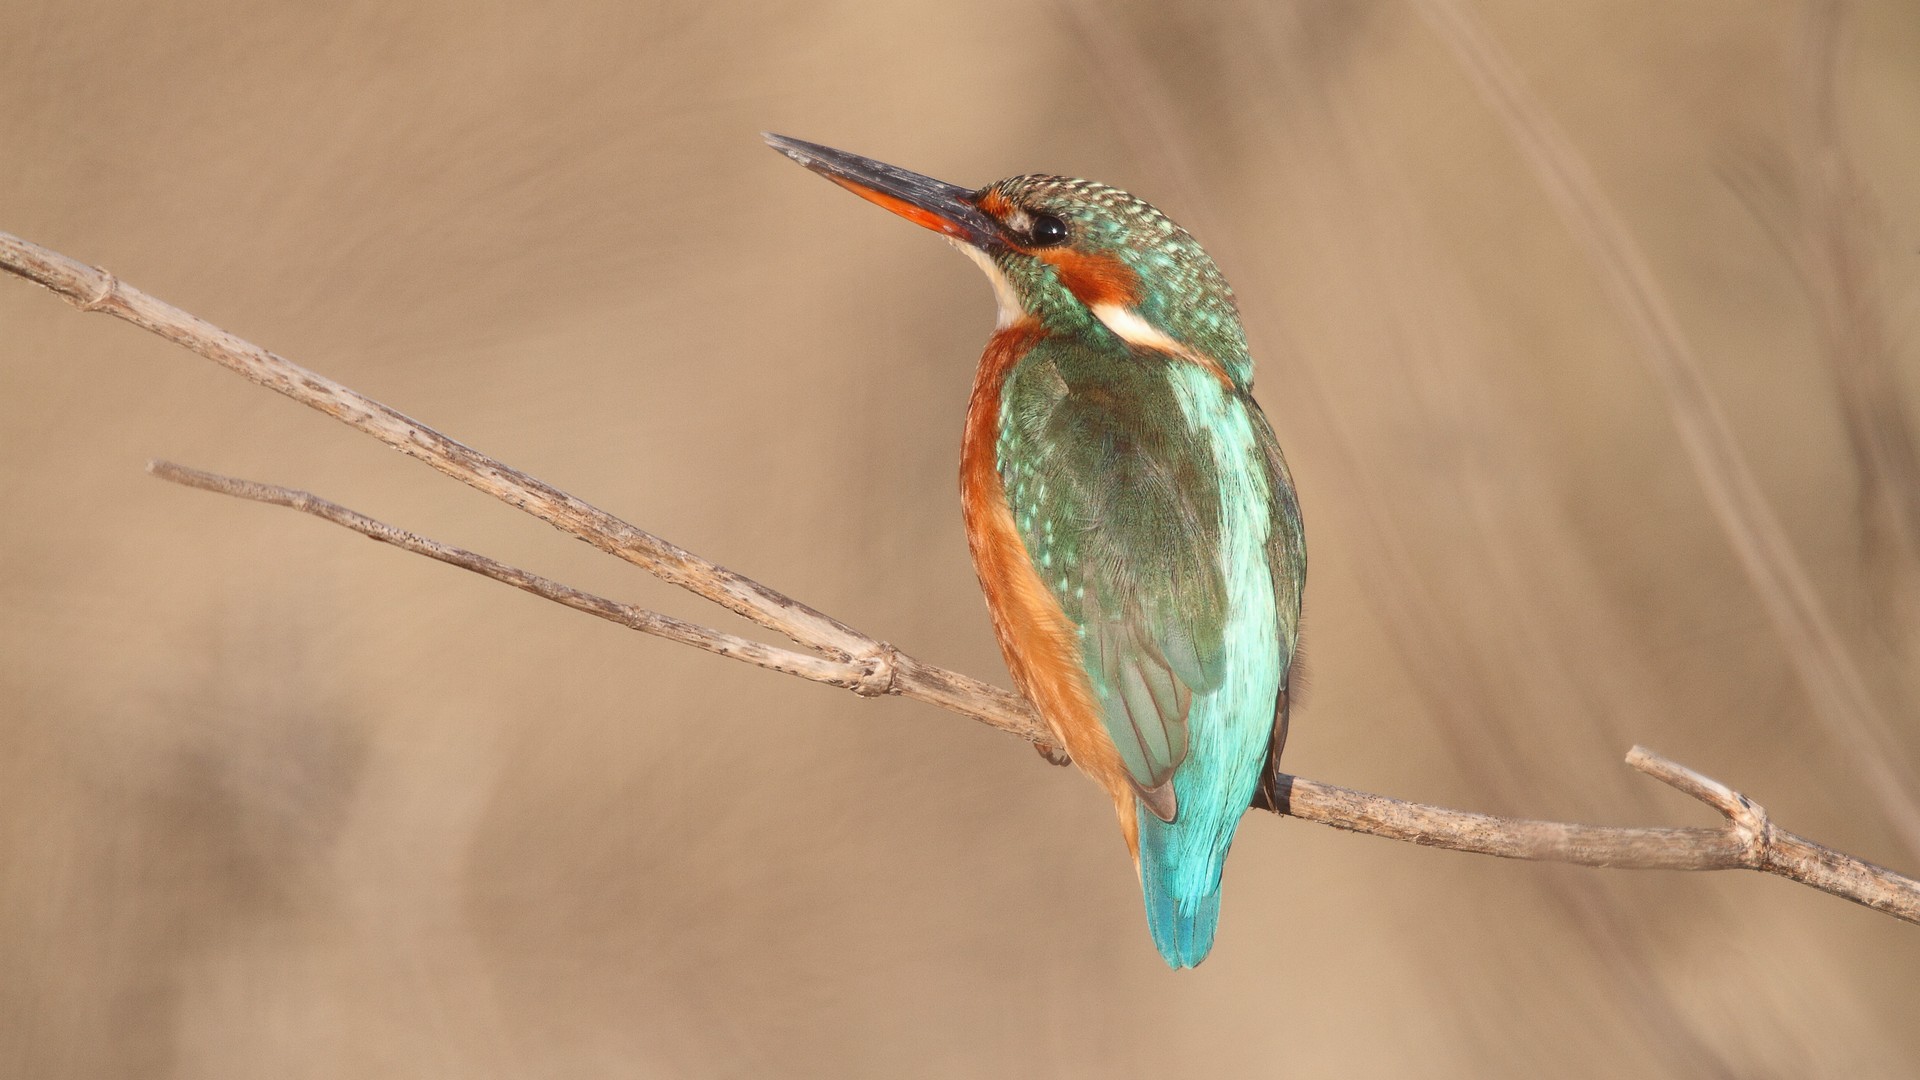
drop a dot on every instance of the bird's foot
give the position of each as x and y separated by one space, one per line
1055 755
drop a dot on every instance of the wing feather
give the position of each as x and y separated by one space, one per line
1118 508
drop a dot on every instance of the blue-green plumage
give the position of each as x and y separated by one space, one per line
1148 500
1153 505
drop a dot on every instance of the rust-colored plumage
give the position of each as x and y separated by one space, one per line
1037 638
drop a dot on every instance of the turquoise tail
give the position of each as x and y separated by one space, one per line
1183 900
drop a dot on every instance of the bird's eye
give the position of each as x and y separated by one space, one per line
1047 231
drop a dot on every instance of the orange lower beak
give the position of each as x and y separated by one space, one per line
945 208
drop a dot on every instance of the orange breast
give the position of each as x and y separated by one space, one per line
1039 642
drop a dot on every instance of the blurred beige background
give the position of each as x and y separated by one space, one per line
278 802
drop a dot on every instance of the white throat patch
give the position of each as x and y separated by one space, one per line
1010 311
1125 322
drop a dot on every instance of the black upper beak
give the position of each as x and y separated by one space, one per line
943 207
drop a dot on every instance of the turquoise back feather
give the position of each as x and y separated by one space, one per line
1181 860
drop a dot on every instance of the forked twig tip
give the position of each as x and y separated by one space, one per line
1749 817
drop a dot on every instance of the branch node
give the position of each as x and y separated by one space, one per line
108 289
1755 827
878 671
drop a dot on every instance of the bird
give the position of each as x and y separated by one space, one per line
1128 510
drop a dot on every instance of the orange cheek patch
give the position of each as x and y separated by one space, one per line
1094 278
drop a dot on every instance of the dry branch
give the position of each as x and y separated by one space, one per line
848 658
92 289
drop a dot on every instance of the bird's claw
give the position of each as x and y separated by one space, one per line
1055 755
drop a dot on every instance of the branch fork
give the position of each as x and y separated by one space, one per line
1747 819
879 673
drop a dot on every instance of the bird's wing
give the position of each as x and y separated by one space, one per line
1116 500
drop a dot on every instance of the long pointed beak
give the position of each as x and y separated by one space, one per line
945 208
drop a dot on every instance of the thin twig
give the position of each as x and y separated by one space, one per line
1813 645
858 677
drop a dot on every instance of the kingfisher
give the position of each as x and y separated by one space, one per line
1129 513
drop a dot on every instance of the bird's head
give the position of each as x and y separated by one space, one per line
1075 256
